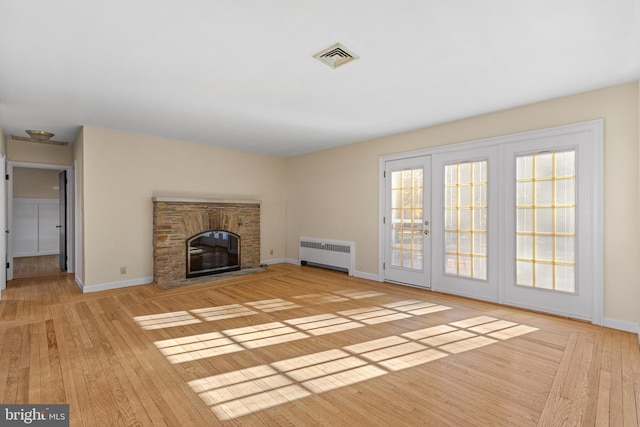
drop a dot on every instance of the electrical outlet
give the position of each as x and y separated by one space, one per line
271 252
123 269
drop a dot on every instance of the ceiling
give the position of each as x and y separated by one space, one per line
241 74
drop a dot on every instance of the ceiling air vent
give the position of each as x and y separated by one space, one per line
336 55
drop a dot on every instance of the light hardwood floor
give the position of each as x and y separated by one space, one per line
32 266
302 346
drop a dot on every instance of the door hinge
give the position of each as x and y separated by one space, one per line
384 219
384 174
6 177
384 265
7 265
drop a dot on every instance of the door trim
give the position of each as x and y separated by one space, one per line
70 209
595 130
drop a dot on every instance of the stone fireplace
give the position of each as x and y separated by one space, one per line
196 237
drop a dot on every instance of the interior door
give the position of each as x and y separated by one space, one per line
407 221
62 222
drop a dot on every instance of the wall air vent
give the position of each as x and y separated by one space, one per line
336 56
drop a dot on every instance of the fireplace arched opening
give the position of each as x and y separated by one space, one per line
212 252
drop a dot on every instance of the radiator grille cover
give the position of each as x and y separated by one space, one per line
336 254
326 246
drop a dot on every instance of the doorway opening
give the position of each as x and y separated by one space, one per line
40 228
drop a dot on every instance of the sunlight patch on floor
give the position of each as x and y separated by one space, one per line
166 320
249 390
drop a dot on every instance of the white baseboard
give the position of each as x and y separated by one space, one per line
116 285
623 326
26 254
368 276
292 261
79 283
274 261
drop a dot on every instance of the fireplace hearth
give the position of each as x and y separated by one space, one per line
197 237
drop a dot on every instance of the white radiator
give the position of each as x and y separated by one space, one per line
337 254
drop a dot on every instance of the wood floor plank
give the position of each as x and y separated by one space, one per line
304 346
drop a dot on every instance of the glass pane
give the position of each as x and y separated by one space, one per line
565 220
450 199
450 222
418 180
525 220
465 219
417 260
544 276
396 256
465 243
417 197
566 163
464 173
524 273
480 219
450 174
396 197
396 179
464 266
480 171
566 191
544 248
544 192
451 264
524 167
524 193
406 259
451 242
406 178
566 278
480 243
480 195
479 268
524 246
565 249
406 198
465 195
544 165
544 221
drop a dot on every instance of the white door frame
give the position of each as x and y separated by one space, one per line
3 224
594 129
70 210
412 277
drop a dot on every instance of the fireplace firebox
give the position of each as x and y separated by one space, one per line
212 252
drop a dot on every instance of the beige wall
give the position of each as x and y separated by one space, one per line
35 183
334 193
123 171
24 151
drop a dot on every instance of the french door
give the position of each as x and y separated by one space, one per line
465 223
515 219
549 209
407 253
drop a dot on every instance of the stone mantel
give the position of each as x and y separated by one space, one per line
205 200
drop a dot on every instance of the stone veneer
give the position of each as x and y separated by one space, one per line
177 219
